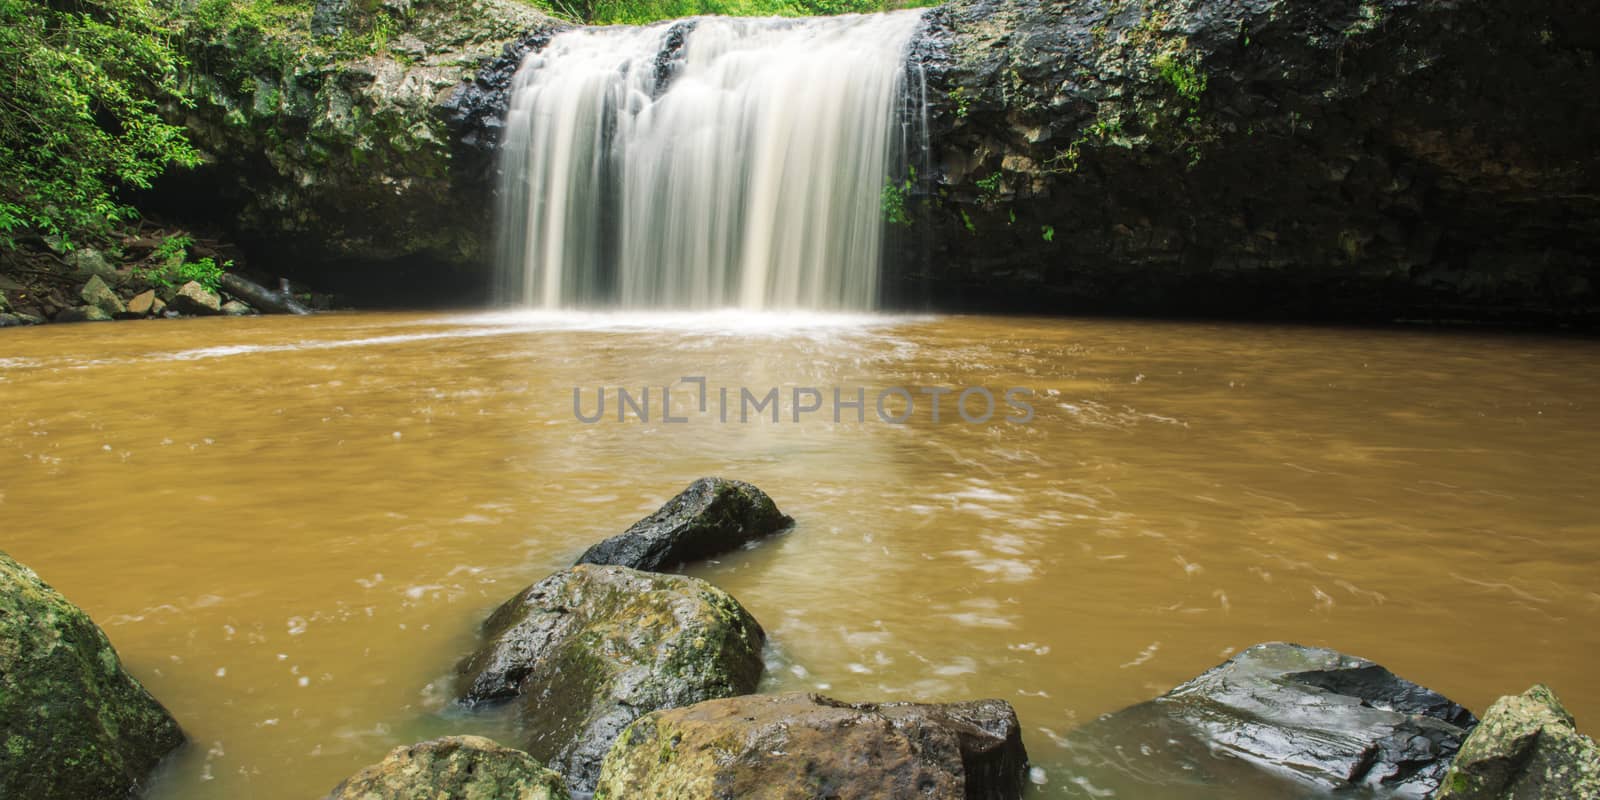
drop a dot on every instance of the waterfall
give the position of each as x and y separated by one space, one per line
706 163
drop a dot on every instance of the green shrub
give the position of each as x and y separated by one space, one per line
78 114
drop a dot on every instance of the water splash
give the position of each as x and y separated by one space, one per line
707 163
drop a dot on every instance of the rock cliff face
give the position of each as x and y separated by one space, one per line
335 155
1302 158
1373 158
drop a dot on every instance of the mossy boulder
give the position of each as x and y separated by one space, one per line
1526 748
73 723
795 746
1279 720
711 517
588 650
455 767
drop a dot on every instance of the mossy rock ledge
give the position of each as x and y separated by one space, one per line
456 767
1526 748
795 746
73 723
711 517
1293 158
590 649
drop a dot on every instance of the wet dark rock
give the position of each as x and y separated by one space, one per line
711 517
11 320
192 298
475 111
1367 158
464 767
1526 748
81 314
588 650
73 723
804 745
1278 720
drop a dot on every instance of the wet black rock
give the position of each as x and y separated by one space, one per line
588 650
1282 719
711 517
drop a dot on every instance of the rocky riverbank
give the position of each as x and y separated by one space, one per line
630 683
1373 159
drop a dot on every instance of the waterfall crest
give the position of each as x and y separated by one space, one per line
706 163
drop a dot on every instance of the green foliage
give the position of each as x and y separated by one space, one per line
173 267
894 200
966 222
990 187
1184 78
1047 232
78 114
962 102
172 249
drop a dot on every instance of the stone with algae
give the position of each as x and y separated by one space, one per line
1527 747
455 767
73 723
801 746
590 649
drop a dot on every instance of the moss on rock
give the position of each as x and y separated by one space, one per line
73 723
590 649
1527 747
455 767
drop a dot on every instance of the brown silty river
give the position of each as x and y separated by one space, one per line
292 527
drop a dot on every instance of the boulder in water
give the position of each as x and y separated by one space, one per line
73 723
804 745
1293 720
1526 748
711 517
463 767
590 649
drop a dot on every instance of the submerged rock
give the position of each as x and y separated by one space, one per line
590 649
805 746
1526 748
1290 720
192 298
455 767
711 517
73 723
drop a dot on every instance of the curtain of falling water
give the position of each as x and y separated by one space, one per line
714 162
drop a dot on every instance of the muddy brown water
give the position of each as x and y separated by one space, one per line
290 528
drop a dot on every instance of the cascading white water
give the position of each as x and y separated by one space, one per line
709 163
